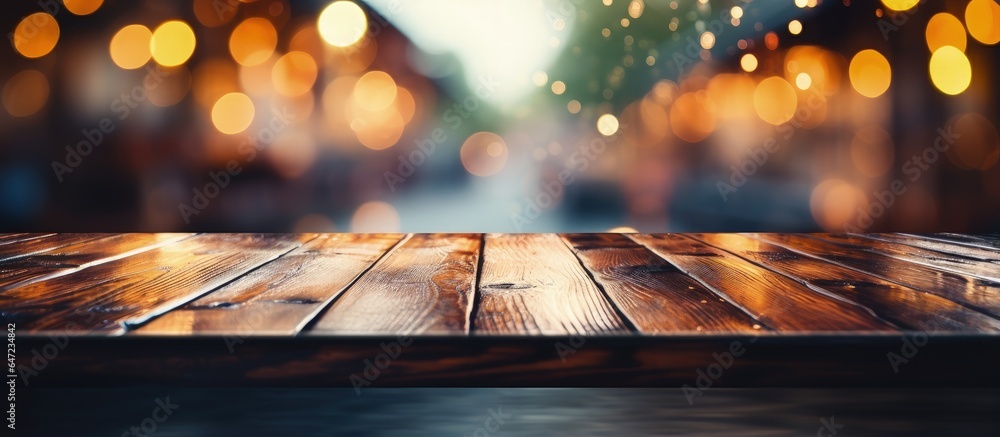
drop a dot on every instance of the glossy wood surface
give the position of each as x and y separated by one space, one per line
503 310
498 284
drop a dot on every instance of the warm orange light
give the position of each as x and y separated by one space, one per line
691 118
172 43
900 5
375 91
82 7
233 113
870 73
775 100
983 19
36 35
253 41
214 78
130 46
945 29
950 70
294 74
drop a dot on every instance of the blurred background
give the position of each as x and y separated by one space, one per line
503 116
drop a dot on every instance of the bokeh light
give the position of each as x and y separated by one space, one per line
256 80
294 74
233 113
748 62
607 124
405 104
795 27
36 35
803 81
484 154
950 70
172 43
25 93
834 204
691 117
342 23
130 46
214 78
983 19
375 217
945 29
558 87
376 90
775 100
82 7
382 133
253 41
900 5
732 96
870 73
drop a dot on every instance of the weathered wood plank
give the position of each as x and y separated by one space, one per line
899 304
980 241
34 246
935 260
105 297
778 301
653 294
940 246
280 297
425 286
68 259
533 284
976 293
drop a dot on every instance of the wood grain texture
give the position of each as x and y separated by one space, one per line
425 286
982 254
22 236
989 242
131 290
533 284
776 300
280 297
977 268
904 306
969 291
653 294
33 246
68 259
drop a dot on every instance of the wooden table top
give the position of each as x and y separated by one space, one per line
507 284
480 296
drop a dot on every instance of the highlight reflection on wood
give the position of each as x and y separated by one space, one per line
520 284
505 309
